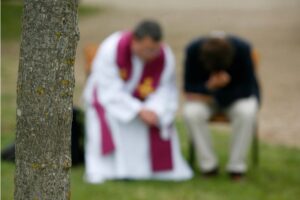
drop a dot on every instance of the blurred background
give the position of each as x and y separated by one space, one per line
273 28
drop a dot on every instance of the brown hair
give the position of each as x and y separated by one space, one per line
216 54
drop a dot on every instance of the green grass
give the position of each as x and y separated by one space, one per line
11 14
276 178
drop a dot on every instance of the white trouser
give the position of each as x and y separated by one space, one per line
243 116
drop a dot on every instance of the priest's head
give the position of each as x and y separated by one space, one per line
147 37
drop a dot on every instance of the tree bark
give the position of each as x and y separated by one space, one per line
44 99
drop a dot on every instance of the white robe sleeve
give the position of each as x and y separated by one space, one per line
110 87
164 101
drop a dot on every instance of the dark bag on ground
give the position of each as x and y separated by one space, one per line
77 142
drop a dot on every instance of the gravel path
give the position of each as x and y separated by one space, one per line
273 26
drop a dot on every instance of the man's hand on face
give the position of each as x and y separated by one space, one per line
218 80
149 117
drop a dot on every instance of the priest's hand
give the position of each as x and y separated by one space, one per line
149 117
218 80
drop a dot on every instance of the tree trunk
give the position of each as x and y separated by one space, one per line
44 99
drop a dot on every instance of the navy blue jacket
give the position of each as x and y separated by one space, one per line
243 79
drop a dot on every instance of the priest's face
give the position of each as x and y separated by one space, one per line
146 48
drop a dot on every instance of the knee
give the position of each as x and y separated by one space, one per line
246 111
196 111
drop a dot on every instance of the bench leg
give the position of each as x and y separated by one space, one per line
191 156
255 147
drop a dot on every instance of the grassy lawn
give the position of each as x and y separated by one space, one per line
277 177
11 14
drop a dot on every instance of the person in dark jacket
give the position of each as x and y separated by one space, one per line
220 77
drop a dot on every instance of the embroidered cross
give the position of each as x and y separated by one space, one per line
146 87
123 74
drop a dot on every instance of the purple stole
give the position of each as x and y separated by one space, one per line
160 150
107 145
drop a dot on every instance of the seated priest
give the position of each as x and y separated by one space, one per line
131 103
220 77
